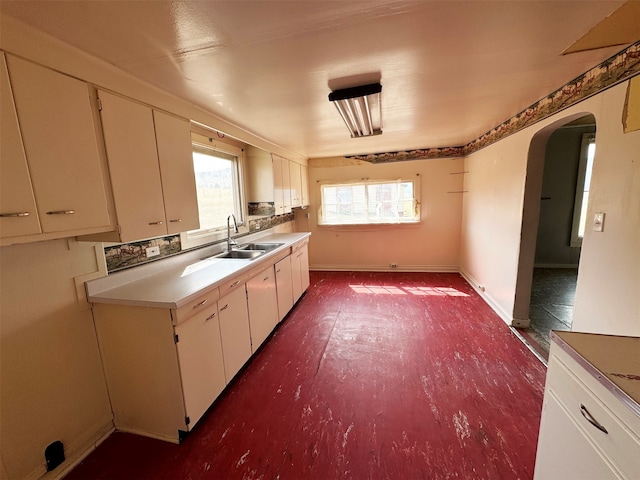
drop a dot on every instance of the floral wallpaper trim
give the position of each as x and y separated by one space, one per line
612 71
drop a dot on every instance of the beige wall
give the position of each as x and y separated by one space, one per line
431 245
608 292
52 382
53 387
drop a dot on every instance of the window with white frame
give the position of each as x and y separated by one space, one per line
370 202
587 155
218 186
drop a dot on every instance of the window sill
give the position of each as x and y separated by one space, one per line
360 226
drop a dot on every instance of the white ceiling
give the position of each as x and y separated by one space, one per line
450 70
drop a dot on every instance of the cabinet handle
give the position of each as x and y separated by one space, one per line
265 278
200 304
16 214
177 220
156 223
225 307
585 413
61 212
234 284
278 271
210 317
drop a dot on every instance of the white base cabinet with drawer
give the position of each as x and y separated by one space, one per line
165 366
234 331
263 306
590 425
300 268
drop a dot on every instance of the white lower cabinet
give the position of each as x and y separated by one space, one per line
166 366
141 366
263 306
201 361
234 330
284 286
300 269
590 427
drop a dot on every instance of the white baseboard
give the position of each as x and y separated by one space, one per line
384 268
506 317
77 451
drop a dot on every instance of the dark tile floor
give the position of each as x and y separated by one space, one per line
551 308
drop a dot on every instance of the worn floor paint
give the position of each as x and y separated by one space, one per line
371 376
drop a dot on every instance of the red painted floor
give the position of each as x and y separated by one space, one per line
371 376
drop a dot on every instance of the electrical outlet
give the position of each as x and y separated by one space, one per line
394 265
152 252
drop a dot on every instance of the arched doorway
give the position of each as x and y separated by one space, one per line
549 238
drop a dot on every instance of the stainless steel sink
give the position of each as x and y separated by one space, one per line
242 254
260 246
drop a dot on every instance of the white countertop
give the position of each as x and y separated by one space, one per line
174 281
616 357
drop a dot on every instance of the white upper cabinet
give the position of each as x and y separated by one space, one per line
58 129
18 214
296 184
148 203
304 175
173 138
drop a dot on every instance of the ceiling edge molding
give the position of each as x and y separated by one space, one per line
615 69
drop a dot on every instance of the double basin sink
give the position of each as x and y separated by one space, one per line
249 251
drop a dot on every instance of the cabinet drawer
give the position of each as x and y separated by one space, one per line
618 443
299 245
230 285
197 305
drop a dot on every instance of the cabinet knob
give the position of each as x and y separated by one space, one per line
61 212
15 214
156 223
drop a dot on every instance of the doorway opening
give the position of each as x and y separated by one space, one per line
556 197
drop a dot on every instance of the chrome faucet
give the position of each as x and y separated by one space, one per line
231 241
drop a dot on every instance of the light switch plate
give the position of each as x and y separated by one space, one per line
152 251
598 222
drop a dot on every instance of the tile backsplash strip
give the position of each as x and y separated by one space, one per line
263 223
127 255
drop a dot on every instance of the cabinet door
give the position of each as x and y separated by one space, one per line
263 306
278 185
284 286
304 175
564 451
286 186
175 154
234 331
296 184
18 214
133 164
201 363
59 134
300 271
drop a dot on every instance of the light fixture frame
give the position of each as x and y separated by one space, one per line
360 108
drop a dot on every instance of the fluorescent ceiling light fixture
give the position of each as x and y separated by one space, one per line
360 108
